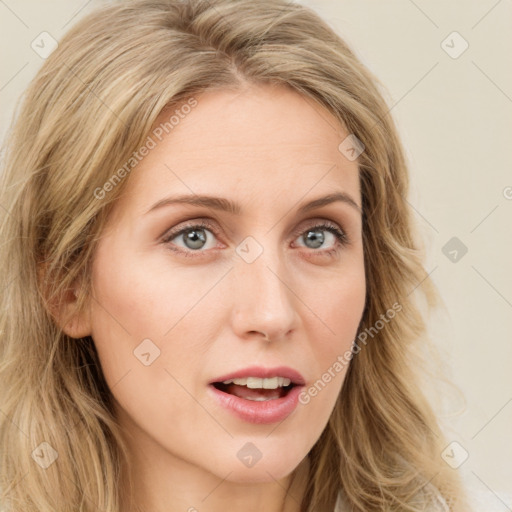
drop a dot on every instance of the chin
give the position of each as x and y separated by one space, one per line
273 466
259 474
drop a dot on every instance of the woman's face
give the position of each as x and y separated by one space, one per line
177 308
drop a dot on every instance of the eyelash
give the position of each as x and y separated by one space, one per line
341 237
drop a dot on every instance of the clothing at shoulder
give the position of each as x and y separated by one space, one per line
438 504
339 506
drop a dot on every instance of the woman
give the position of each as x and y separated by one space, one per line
209 266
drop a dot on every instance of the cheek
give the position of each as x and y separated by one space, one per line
141 327
134 299
339 305
146 319
337 309
127 310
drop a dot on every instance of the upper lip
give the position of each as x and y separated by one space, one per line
261 372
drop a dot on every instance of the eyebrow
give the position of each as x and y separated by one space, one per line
226 205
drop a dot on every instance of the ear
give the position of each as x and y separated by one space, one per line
74 323
64 310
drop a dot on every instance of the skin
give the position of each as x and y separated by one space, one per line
270 150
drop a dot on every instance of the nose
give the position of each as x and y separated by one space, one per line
263 299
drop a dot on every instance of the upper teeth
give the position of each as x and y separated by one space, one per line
257 383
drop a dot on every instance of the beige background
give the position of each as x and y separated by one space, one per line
455 117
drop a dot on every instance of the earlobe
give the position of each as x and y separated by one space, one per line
74 323
65 312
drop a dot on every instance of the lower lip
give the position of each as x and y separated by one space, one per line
264 412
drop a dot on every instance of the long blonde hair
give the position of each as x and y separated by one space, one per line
88 109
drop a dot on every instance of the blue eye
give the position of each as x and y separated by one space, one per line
193 236
198 236
318 240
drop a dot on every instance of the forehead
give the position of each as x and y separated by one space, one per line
259 142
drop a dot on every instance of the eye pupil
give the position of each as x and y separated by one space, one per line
196 237
316 236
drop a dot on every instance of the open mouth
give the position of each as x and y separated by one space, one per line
256 389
